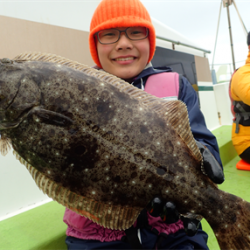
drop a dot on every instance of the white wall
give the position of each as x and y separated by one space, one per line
223 102
209 106
18 191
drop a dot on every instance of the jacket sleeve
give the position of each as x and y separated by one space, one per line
199 129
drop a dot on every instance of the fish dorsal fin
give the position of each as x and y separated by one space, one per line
174 112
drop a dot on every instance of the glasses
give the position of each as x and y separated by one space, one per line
110 36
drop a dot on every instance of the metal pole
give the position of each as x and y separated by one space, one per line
243 25
230 33
216 35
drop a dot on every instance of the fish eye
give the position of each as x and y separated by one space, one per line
6 60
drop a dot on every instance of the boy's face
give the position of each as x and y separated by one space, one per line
125 58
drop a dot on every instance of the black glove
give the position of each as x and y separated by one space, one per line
210 166
169 214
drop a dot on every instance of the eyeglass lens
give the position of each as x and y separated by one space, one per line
112 35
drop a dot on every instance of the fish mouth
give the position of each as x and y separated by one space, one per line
4 125
9 125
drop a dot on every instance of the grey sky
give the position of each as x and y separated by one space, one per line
197 20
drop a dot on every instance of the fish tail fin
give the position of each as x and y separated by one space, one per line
5 145
236 234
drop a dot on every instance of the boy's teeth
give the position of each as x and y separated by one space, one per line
124 59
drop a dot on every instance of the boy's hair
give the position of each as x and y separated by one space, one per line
120 13
248 39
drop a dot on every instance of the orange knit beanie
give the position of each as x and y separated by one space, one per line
120 13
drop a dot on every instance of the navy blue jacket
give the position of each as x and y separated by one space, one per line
188 95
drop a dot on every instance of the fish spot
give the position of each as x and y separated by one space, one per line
93 192
138 157
142 177
169 146
133 175
95 128
117 178
161 170
183 180
143 129
94 92
125 138
51 132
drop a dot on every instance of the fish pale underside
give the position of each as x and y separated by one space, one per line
162 157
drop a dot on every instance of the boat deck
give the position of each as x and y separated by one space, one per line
43 228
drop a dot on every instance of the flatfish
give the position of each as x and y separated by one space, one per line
104 149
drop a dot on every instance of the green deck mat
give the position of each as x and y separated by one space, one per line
37 229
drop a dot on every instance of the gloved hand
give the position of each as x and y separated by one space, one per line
169 214
210 166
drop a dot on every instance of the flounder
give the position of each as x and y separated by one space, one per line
104 148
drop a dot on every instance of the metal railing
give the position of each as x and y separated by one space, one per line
183 44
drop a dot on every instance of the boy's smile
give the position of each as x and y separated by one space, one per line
125 58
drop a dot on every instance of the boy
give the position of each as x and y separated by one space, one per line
122 42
